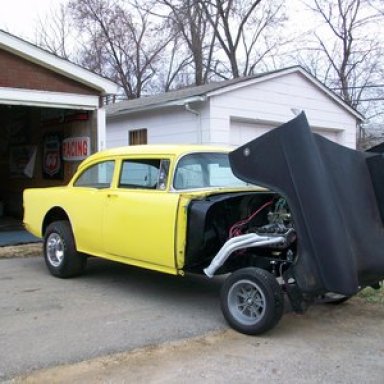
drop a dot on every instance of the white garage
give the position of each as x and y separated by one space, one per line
233 112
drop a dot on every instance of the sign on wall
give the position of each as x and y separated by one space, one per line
76 148
22 160
52 159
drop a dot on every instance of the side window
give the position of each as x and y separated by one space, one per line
146 173
97 176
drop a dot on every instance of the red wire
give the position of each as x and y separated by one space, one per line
235 230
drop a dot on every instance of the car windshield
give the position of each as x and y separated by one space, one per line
205 170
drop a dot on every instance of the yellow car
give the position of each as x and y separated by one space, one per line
181 209
166 208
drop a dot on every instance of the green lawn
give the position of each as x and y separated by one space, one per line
373 295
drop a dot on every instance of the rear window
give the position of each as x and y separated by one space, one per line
205 170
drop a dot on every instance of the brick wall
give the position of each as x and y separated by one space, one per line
16 72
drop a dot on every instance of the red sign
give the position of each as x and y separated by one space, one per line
76 148
52 164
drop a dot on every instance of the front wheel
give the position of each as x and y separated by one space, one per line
60 252
252 301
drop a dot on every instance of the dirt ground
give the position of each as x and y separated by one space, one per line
25 250
328 344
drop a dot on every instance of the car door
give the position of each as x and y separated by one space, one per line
140 216
87 207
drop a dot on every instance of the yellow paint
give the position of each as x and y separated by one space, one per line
181 232
145 228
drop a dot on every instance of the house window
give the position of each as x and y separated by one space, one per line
137 136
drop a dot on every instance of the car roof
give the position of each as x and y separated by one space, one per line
153 149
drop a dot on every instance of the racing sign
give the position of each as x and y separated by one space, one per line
76 148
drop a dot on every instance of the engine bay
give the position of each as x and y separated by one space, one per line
250 228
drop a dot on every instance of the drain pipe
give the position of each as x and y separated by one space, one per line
198 114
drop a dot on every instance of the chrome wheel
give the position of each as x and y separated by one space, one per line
246 302
55 249
60 251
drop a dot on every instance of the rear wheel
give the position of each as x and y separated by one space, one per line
60 252
252 301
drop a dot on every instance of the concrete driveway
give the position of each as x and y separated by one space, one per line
47 321
150 318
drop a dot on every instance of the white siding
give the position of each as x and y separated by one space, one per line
276 101
173 126
101 129
240 114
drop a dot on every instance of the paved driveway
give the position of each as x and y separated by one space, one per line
47 321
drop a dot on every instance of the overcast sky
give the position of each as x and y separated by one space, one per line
20 17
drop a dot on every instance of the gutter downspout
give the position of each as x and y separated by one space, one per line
198 114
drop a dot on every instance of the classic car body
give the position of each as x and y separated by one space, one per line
180 209
134 219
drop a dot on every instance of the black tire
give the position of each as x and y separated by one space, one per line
60 252
252 301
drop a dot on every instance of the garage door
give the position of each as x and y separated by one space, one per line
242 132
330 135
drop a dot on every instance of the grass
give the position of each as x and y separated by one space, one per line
373 295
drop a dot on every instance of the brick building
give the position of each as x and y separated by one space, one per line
46 104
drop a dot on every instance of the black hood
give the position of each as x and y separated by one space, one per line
335 195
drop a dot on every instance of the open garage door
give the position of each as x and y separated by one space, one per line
31 150
47 104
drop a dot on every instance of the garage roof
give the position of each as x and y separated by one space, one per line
202 92
55 63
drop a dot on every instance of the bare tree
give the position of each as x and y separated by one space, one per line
378 5
186 42
189 23
53 33
173 66
121 41
350 52
246 31
347 49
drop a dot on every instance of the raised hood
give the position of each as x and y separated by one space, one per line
335 195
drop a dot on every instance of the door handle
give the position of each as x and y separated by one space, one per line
112 195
